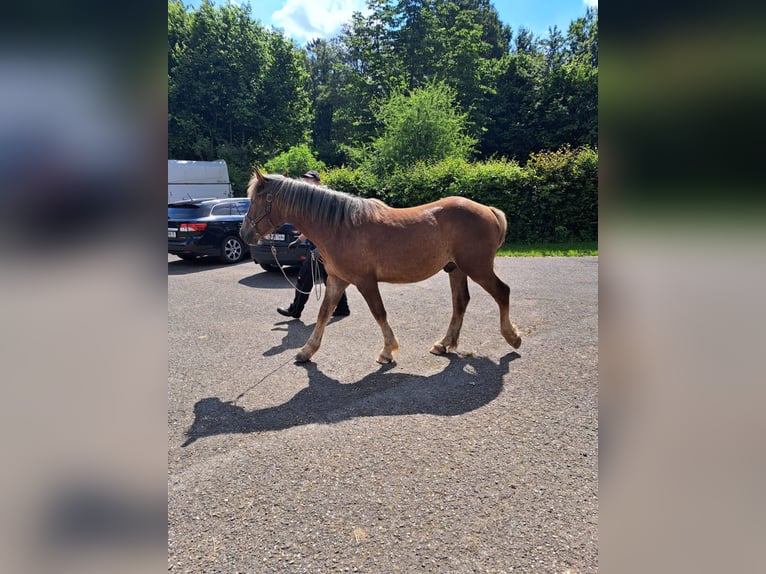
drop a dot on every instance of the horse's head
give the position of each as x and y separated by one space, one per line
261 219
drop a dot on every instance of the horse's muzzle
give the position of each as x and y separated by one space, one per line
246 233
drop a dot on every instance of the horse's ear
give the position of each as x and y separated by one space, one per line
258 175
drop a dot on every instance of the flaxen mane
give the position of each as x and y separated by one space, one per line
321 204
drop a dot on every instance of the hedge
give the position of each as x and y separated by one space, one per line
553 197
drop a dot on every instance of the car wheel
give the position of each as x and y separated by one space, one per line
269 267
232 249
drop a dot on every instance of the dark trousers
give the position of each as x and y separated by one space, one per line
305 276
306 282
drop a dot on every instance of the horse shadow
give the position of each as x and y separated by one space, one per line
186 267
464 385
270 280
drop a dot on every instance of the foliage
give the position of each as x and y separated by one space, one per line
546 93
402 98
234 83
326 84
423 126
356 181
552 198
549 249
562 203
294 162
236 90
425 182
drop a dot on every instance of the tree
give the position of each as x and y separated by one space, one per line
525 43
422 126
469 67
546 93
553 48
244 93
515 133
341 100
582 39
235 90
495 34
370 71
215 81
284 103
568 98
455 41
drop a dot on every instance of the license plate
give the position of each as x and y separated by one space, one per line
171 233
275 236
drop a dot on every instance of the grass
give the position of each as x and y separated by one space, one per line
565 249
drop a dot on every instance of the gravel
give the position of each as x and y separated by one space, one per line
481 461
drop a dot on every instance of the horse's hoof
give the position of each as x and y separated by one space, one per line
514 340
384 360
438 349
302 357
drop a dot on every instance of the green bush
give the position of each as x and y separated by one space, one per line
498 183
424 182
552 198
563 201
294 162
424 125
355 181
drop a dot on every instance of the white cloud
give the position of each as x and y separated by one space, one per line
590 3
308 19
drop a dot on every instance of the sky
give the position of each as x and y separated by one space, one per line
304 20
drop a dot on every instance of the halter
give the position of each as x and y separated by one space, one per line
266 213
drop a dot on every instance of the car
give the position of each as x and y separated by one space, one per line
262 254
207 228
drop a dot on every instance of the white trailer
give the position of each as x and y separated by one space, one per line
197 179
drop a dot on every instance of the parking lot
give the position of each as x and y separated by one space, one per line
480 461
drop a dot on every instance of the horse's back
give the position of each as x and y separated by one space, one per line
402 245
473 219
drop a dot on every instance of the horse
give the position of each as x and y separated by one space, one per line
363 241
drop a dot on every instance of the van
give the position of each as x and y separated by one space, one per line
189 180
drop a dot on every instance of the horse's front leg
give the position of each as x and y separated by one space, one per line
334 288
371 294
458 282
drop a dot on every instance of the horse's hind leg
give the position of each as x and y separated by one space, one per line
458 282
501 293
371 294
334 288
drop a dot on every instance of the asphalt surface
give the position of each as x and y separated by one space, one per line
480 461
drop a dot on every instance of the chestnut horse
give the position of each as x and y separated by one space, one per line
364 241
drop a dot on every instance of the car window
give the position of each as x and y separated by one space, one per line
185 211
221 209
242 207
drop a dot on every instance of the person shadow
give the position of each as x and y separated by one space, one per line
296 333
465 384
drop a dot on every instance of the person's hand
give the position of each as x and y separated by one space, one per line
294 244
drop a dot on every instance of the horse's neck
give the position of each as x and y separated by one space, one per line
313 230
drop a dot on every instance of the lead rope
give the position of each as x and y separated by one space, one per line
315 273
263 378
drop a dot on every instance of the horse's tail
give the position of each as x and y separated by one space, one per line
503 225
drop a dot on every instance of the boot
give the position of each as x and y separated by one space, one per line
342 309
296 307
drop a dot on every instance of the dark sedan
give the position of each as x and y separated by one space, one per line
207 227
279 240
